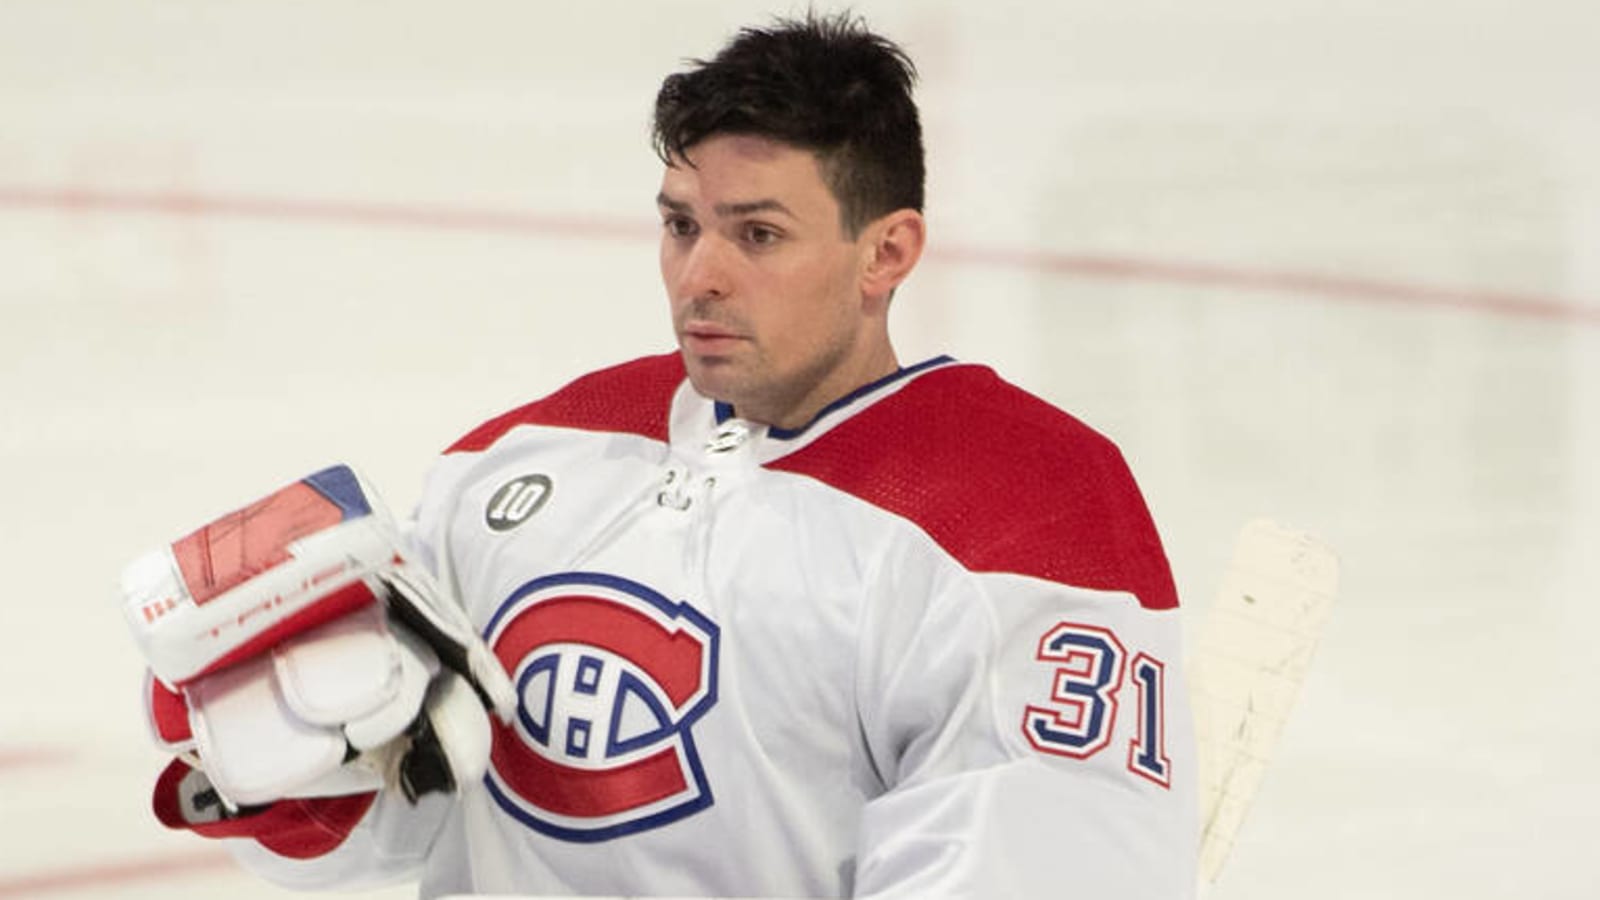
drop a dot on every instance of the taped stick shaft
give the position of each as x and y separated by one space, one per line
1254 649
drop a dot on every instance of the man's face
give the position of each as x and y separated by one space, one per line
765 286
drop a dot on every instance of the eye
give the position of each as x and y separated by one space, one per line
679 226
761 235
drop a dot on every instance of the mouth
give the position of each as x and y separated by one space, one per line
708 339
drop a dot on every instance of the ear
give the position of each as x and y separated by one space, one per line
893 245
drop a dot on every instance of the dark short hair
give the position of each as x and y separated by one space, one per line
822 83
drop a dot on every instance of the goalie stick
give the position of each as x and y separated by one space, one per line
1255 646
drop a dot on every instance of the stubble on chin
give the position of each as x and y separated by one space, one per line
716 377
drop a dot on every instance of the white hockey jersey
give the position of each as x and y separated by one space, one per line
926 646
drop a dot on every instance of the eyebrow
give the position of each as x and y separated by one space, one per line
727 209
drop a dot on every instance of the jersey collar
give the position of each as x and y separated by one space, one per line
724 411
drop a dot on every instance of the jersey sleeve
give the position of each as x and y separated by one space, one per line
1020 685
1032 739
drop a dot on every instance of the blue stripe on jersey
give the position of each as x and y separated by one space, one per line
725 411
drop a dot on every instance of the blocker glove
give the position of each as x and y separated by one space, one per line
295 651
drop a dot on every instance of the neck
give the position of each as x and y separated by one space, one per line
799 411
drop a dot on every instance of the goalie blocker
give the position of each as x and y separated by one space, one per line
295 654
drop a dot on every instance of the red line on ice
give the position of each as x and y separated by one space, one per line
1321 285
491 221
33 757
115 873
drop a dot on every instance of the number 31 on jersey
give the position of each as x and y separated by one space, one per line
1086 695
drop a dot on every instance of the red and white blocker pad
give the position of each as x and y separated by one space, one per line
294 652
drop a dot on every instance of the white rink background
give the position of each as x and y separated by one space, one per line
1336 263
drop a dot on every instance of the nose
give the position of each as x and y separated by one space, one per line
700 271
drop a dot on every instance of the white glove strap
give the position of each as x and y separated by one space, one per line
254 748
340 671
270 727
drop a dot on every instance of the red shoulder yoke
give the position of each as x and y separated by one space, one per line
1000 479
632 398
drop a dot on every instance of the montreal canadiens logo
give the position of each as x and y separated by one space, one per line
611 677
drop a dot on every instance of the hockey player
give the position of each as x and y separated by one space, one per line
781 615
